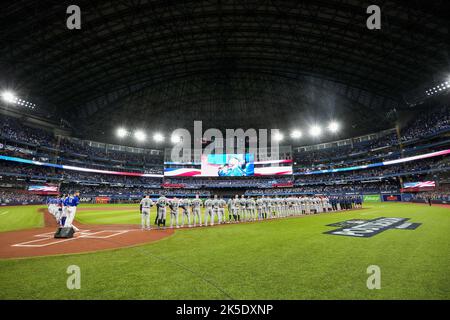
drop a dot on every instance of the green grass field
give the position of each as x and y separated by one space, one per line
282 259
21 217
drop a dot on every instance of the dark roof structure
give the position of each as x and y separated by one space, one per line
262 64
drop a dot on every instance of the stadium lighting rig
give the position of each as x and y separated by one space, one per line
278 136
440 88
140 135
158 137
175 139
333 126
296 134
10 97
315 131
122 132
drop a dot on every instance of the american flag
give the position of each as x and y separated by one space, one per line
420 184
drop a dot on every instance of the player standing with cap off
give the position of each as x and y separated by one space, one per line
243 208
196 210
145 206
209 212
221 210
235 209
216 204
260 207
161 204
186 208
174 205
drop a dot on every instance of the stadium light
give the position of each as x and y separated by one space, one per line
175 139
315 131
295 134
158 137
140 135
9 96
278 136
122 132
333 126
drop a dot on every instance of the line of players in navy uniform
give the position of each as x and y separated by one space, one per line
239 208
64 209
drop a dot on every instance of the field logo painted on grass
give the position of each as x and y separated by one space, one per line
374 280
74 279
368 228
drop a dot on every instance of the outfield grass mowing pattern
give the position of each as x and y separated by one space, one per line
282 259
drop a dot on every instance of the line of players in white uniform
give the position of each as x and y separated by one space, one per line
239 209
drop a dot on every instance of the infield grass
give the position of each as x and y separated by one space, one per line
20 217
278 259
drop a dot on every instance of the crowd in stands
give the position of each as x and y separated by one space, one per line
428 123
78 153
433 195
425 124
12 129
51 174
9 197
407 168
254 182
373 187
40 172
131 191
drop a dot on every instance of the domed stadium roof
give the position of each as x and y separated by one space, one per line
261 64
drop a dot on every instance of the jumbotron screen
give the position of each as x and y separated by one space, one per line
228 165
43 189
419 185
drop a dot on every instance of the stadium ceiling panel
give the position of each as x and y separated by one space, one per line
230 63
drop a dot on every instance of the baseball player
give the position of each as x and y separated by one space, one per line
235 209
216 205
186 208
251 208
174 204
243 208
221 210
268 206
65 206
50 205
197 210
161 204
58 214
230 209
145 205
209 212
307 205
260 207
73 202
278 206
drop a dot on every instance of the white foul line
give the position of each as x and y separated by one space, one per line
84 234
